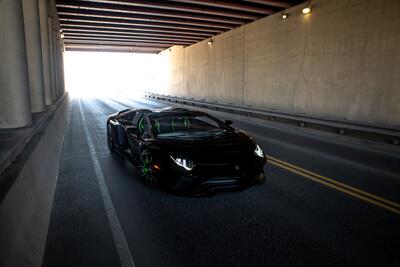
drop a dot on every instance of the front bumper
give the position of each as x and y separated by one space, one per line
210 178
202 186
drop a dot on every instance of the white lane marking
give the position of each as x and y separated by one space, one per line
116 229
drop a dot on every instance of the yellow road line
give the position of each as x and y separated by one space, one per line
397 205
355 192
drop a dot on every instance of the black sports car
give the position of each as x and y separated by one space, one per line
186 151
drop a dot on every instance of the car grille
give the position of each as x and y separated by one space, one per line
208 170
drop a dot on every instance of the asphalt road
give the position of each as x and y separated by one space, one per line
326 202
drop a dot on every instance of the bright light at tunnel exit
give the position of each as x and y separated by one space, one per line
101 74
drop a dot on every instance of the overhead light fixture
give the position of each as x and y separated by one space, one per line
285 16
62 36
210 42
307 10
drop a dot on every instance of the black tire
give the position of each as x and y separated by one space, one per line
260 178
145 171
110 141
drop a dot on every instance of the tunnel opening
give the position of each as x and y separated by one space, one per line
112 74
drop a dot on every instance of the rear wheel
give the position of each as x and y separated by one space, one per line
145 169
110 141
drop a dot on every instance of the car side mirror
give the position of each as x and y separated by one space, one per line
133 130
228 122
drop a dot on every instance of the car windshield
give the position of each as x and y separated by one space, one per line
186 125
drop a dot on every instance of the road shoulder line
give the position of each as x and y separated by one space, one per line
119 237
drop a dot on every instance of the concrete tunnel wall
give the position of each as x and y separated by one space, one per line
342 61
31 51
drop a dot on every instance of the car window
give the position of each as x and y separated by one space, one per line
166 125
136 119
126 117
131 115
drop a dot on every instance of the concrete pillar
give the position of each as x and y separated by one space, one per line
34 54
52 63
15 107
59 67
56 64
62 75
44 13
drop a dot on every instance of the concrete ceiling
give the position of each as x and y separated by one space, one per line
151 26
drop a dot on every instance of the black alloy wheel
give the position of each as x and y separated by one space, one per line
145 170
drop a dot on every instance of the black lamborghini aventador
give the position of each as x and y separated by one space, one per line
186 151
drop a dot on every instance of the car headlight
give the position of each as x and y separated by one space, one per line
187 164
258 151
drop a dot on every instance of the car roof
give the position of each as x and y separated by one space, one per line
180 112
168 111
172 108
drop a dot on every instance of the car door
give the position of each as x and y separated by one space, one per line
122 140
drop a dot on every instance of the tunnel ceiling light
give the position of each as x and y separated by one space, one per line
62 36
210 42
285 16
307 10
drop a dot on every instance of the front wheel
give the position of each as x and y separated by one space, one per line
260 178
145 170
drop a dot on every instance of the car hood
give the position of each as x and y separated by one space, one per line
208 149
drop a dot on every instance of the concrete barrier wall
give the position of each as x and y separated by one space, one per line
25 210
174 58
341 61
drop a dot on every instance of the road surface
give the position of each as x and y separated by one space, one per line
325 203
